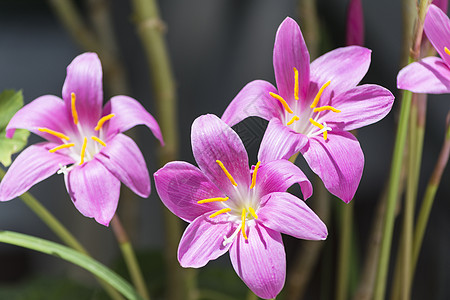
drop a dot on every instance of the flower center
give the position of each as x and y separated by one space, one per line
81 148
240 207
312 127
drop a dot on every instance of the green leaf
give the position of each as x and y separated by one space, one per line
10 102
72 256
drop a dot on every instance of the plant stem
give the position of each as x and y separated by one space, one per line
129 257
344 252
61 232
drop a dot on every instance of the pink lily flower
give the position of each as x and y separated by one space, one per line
231 208
84 142
430 75
314 107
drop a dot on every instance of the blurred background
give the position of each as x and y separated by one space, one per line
216 47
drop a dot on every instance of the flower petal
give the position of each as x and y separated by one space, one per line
213 140
355 23
44 112
280 142
343 67
290 51
288 214
437 29
338 161
94 191
279 175
360 106
202 241
180 185
430 75
260 261
124 160
33 165
84 78
129 113
253 100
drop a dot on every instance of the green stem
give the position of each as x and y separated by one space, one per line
346 220
61 232
129 257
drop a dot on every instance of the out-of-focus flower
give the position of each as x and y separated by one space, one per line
231 208
314 107
84 142
355 24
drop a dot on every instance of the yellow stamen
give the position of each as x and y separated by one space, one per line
55 133
103 120
319 93
446 50
322 108
254 175
226 172
98 141
315 123
83 150
218 199
294 118
283 102
252 212
296 83
53 150
243 216
325 135
74 109
225 210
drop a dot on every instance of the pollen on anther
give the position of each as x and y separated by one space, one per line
319 94
447 50
54 133
83 150
296 83
225 210
294 118
254 175
316 123
243 217
252 212
74 109
233 182
282 101
102 121
53 150
98 140
327 107
209 200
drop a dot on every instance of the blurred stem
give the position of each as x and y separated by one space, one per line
151 31
129 257
309 22
428 200
345 244
251 296
61 232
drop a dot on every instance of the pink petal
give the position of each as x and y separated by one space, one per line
360 106
44 112
33 165
279 175
339 162
280 142
124 160
213 140
287 214
202 241
260 261
437 29
129 113
253 100
355 23
180 185
94 191
84 78
430 75
343 67
290 51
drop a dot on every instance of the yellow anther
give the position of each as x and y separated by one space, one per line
53 150
296 83
319 93
218 199
98 140
325 135
225 210
55 133
294 118
83 150
315 123
226 172
103 120
74 109
446 50
254 175
322 108
252 212
243 216
283 102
